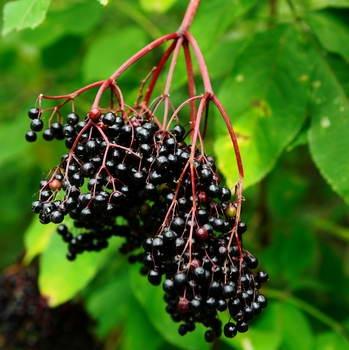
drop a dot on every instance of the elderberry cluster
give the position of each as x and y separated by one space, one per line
124 175
26 321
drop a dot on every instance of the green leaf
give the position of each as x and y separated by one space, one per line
100 301
110 50
60 280
36 239
332 31
215 16
151 298
23 14
266 96
139 324
318 4
12 141
296 331
328 135
63 22
331 341
160 6
277 256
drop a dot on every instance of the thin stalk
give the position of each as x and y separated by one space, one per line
189 16
73 94
201 62
191 80
232 135
136 57
170 77
157 71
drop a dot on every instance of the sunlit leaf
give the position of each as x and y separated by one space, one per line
266 96
63 22
36 239
59 279
23 14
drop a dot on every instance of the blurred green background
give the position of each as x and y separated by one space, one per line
281 67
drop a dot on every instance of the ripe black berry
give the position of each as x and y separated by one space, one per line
30 136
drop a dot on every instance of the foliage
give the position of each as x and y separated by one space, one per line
282 70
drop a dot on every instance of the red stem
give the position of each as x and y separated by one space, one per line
189 16
157 72
170 77
74 94
201 62
231 133
191 80
136 57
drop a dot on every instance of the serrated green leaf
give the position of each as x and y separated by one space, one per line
151 298
266 97
332 31
160 6
60 280
110 50
36 239
328 135
215 16
23 14
331 341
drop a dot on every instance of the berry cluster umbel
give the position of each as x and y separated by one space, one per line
131 169
134 173
27 322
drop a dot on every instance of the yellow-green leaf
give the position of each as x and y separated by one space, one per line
36 239
60 280
22 14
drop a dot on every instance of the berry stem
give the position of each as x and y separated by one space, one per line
191 80
136 57
189 16
169 78
231 133
201 62
72 95
157 72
